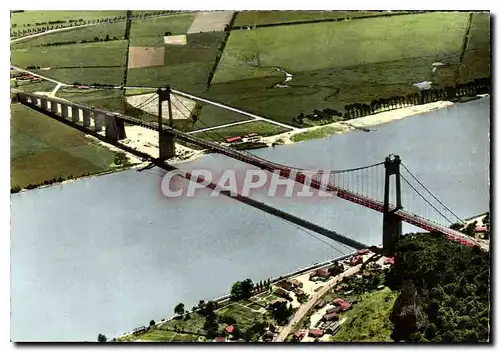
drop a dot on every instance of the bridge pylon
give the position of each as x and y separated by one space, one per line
165 140
392 224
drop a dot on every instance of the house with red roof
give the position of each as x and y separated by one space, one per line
299 335
356 260
229 329
389 260
331 317
316 333
233 139
219 339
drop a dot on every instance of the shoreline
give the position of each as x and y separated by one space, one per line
147 141
298 272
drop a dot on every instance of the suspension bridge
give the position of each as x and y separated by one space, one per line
388 187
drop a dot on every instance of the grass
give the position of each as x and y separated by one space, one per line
90 54
102 75
190 77
35 86
321 132
31 17
139 91
245 317
77 34
476 62
186 67
43 149
368 320
109 99
245 18
376 41
263 128
150 32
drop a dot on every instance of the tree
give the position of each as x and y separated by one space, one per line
107 37
280 311
152 322
179 309
247 288
101 338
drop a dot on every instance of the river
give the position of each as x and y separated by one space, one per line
107 254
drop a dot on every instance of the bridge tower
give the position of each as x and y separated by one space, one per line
392 224
165 140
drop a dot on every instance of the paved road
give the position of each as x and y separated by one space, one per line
303 309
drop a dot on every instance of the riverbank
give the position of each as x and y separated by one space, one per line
147 140
361 122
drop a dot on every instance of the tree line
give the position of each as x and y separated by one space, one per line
352 111
39 27
83 41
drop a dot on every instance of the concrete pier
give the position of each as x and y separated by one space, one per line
98 120
75 114
43 103
54 107
86 118
167 145
115 128
65 111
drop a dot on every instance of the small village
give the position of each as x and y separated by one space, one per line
307 307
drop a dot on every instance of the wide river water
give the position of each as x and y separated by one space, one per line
109 253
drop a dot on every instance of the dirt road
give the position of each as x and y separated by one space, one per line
299 314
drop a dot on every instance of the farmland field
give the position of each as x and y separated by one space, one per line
376 41
476 62
186 67
263 128
31 17
103 75
90 54
150 32
36 86
245 18
87 33
43 149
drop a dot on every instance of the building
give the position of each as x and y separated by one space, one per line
362 251
481 229
140 330
233 139
286 285
297 283
331 327
299 292
356 260
219 339
320 304
389 260
299 335
282 293
316 333
229 329
333 310
331 317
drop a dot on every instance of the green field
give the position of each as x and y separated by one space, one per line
31 17
102 75
43 149
90 54
263 128
375 41
245 18
368 320
34 86
186 67
317 133
477 61
150 32
87 33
